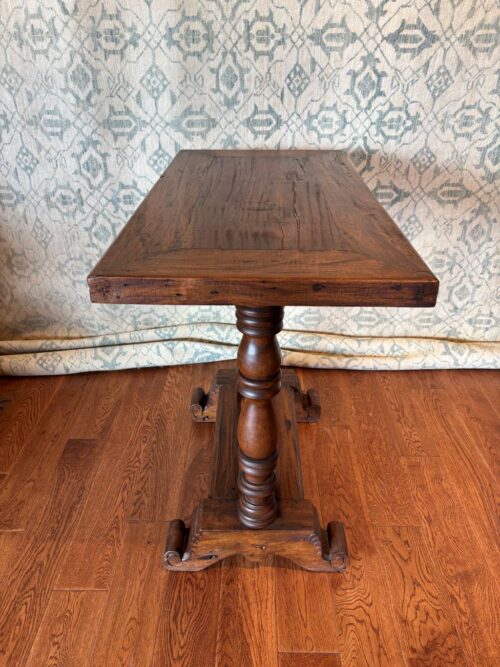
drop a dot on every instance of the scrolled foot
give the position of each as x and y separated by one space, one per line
339 555
176 541
215 533
203 405
309 411
307 405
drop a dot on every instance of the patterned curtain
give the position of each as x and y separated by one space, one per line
97 97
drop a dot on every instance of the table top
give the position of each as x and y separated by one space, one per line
291 227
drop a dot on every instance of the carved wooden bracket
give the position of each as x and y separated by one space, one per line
203 406
216 533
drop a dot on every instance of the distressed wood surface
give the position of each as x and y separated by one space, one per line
286 227
424 593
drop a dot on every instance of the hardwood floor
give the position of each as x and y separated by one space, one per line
92 468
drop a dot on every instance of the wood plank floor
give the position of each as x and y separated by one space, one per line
93 467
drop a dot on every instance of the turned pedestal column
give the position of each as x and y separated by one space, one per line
259 379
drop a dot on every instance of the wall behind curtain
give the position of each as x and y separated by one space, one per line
96 97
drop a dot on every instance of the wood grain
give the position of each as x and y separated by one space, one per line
154 497
24 491
66 636
259 381
287 227
247 635
187 621
406 437
382 480
103 518
215 529
10 543
187 628
442 494
195 484
28 399
306 615
80 409
365 631
465 576
31 575
224 471
128 629
290 481
422 594
415 586
304 601
483 427
468 471
309 660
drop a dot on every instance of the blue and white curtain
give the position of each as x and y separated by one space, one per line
97 97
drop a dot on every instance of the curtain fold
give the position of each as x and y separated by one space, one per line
215 342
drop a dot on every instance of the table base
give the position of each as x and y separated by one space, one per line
214 531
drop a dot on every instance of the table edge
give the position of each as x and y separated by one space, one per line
419 292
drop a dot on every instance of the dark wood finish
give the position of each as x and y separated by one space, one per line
225 457
262 229
444 427
259 380
307 406
286 227
223 482
204 405
290 480
225 460
215 529
216 533
243 478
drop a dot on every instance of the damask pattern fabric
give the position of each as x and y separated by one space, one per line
97 97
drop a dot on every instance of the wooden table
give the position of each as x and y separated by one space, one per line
260 229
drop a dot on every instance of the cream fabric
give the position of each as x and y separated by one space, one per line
96 99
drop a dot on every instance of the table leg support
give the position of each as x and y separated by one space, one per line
256 517
259 380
